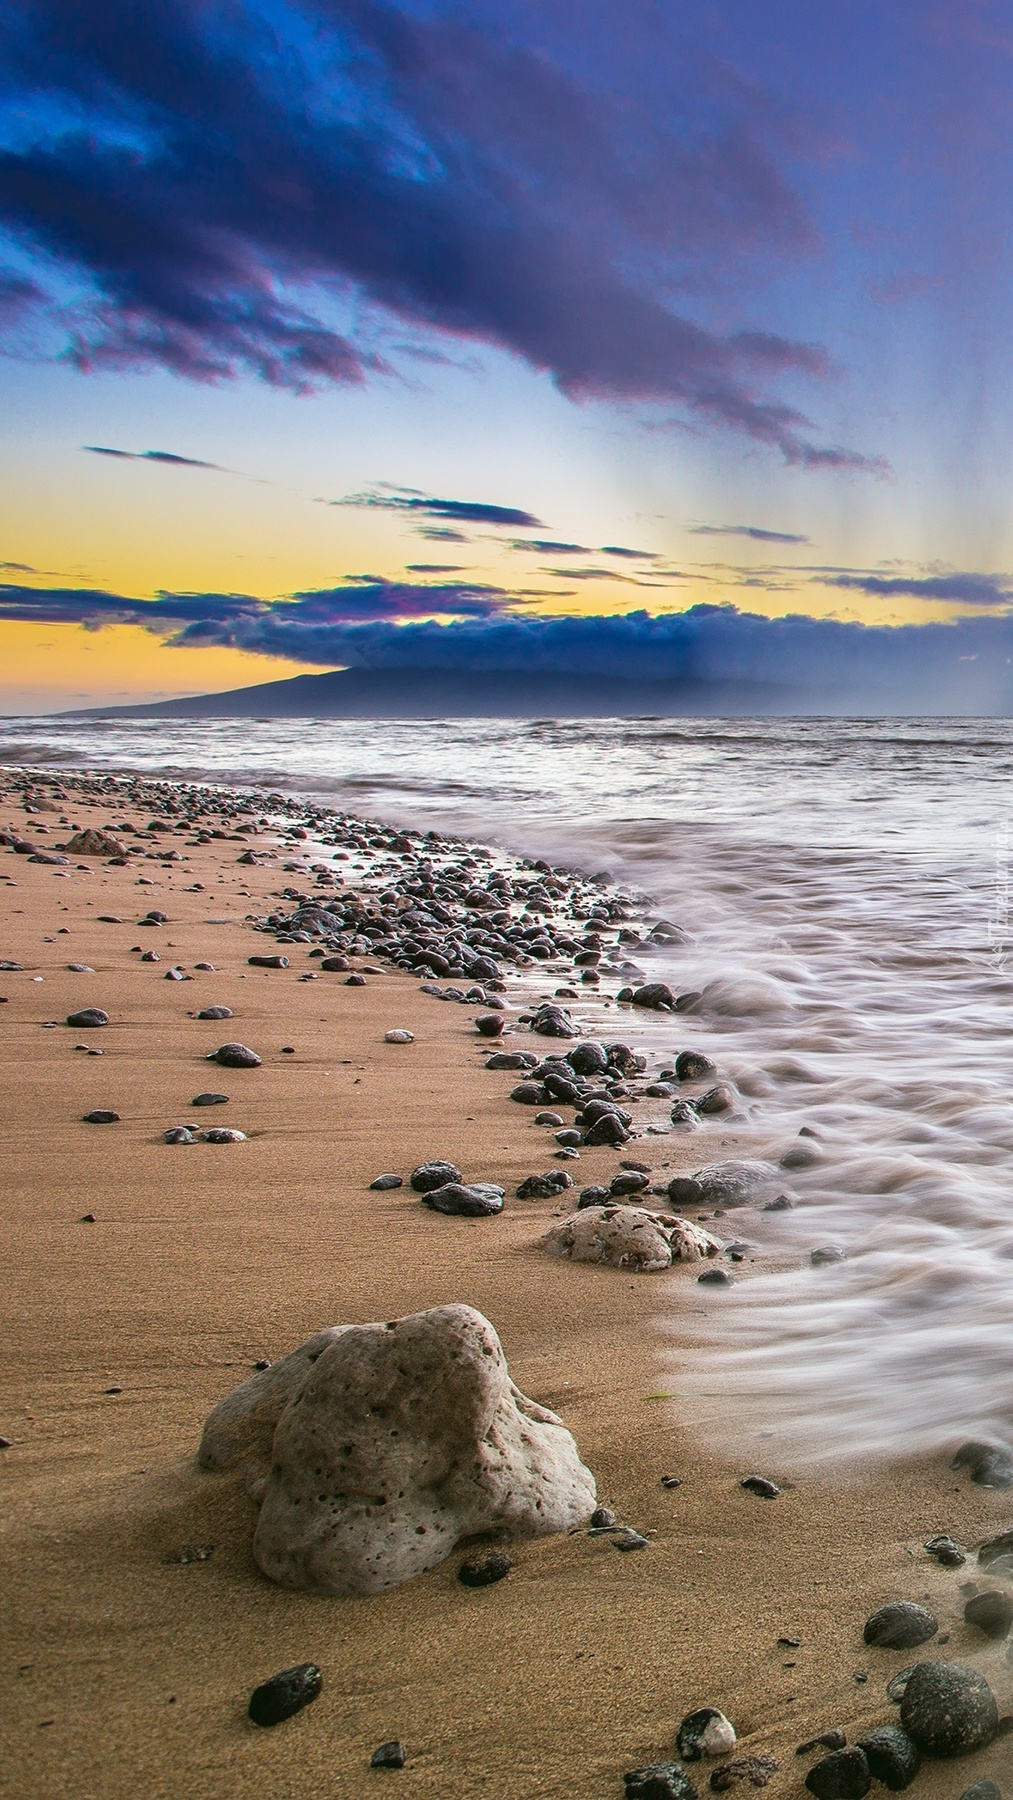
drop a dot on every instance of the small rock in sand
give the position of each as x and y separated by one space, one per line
900 1625
490 1024
476 1200
997 1554
89 1016
992 1613
991 1465
235 1056
628 1237
659 1781
759 1484
485 1568
705 1732
285 1694
215 1012
945 1551
431 1175
100 1117
892 1757
222 1134
399 1036
948 1709
384 1182
267 962
982 1790
544 1187
391 1755
210 1100
843 1775
179 1134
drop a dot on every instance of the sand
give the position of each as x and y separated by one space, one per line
125 1670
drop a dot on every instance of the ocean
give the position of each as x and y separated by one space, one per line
846 885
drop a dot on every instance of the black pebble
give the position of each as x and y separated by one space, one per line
603 1518
89 1016
843 1775
235 1056
945 1551
661 1781
715 1277
982 1790
210 1100
948 1709
430 1175
991 1465
483 1570
900 1626
383 1182
267 962
100 1117
392 1755
671 1481
892 1758
355 981
991 1612
758 1484
215 1012
285 1694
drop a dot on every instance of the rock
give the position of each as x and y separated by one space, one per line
335 965
900 1625
991 1465
757 1770
285 1694
178 1134
716 1278
223 1134
474 1201
945 1551
843 1775
100 1117
548 1118
490 1024
75 968
660 1781
719 1099
152 956
780 1203
982 1790
608 1128
454 1449
485 1568
759 1484
892 1758
544 1187
267 962
391 1755
512 1059
384 1182
948 1709
210 1100
684 1191
529 1093
215 1012
705 1732
629 1182
603 1519
94 843
827 1740
992 1613
692 1065
593 1196
628 1237
89 1016
826 1253
399 1037
235 1056
655 996
997 1553
897 1683
625 1539
587 1058
430 1175
734 1183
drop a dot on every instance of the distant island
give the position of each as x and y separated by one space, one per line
458 694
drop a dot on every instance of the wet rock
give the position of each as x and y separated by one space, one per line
490 1025
892 1757
151 956
215 1012
430 1175
627 1237
548 1118
223 1134
692 1065
267 962
997 1554
100 1117
603 1519
544 1187
948 1709
801 1156
757 1770
89 1016
179 1134
992 1613
734 1183
719 1099
235 1056
780 1203
398 1036
826 1253
683 1190
384 1182
843 1775
474 1201
656 996
705 1732
484 1569
626 1539
759 1484
587 1058
354 981
900 1625
659 1781
391 1755
990 1465
945 1551
715 1278
285 1694
370 1432
75 968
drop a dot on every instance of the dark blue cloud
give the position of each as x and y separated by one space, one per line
155 456
465 512
549 546
757 532
623 550
210 618
965 589
215 189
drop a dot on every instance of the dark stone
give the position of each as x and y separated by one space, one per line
210 1100
596 1109
716 1100
948 1709
383 1182
982 1790
88 1016
354 981
945 1551
391 1755
544 1187
684 1191
843 1775
997 1553
215 1012
827 1740
267 962
715 1278
285 1694
485 1568
570 1138
587 1058
490 1024
757 1770
607 1129
657 996
511 1059
628 1183
178 1134
900 1625
671 1481
780 1204
603 1519
335 965
223 1134
892 1758
661 1781
475 1201
896 1685
758 1484
100 1117
826 1253
991 1465
235 1056
529 1093
624 1538
992 1613
692 1065
593 1196
691 1739
152 956
430 1175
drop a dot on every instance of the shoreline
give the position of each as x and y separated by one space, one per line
127 1668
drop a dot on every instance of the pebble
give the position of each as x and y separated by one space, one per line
897 1683
335 965
603 1519
235 1056
692 1065
267 962
608 1128
398 1036
354 981
656 996
490 1024
997 1553
89 1016
512 1059
757 1770
948 1709
715 1278
705 1732
285 1694
892 1758
391 1755
992 1613
625 1538
529 1093
100 1117
900 1625
945 1551
475 1200
222 1134
627 1183
151 956
75 968
660 1781
593 1196
826 1253
991 1465
179 1134
759 1484
716 1100
485 1568
843 1775
827 1740
383 1182
215 1012
430 1175
544 1187
982 1790
210 1100
671 1481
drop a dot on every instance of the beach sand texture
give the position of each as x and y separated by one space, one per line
127 1670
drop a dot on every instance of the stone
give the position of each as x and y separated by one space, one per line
474 1200
655 996
384 1182
716 1277
945 1551
705 1732
992 1613
391 1755
235 1056
179 1134
374 1449
100 1117
210 1100
223 1134
982 1790
948 1709
628 1237
603 1519
94 843
991 1465
843 1775
544 1187
593 1196
759 1484
900 1625
88 1017
529 1093
430 1175
757 1770
152 956
512 1059
624 1538
659 1781
629 1182
997 1553
490 1024
734 1183
285 1694
825 1254
608 1128
267 962
827 1740
484 1569
897 1683
718 1099
692 1065
335 965
215 1012
398 1036
587 1058
892 1757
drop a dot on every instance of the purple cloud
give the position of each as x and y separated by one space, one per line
965 589
757 532
466 512
156 456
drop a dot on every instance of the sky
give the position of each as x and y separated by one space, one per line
614 335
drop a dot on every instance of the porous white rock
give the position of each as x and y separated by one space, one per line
374 1449
629 1237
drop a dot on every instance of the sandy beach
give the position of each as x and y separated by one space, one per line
127 1661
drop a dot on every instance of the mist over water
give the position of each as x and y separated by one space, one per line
844 886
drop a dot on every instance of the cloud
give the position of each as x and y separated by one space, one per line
757 532
442 536
156 456
217 191
433 568
621 550
549 547
962 589
468 512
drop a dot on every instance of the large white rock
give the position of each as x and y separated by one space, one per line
629 1237
374 1449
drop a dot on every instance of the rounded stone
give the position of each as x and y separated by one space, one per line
692 1065
391 1755
385 1182
992 1613
215 1012
430 1175
223 1134
101 1116
892 1757
210 1100
178 1134
705 1732
843 1775
474 1201
659 1781
285 1694
490 1024
484 1569
236 1056
948 1709
89 1016
900 1625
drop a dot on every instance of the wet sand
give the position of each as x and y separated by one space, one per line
126 1670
